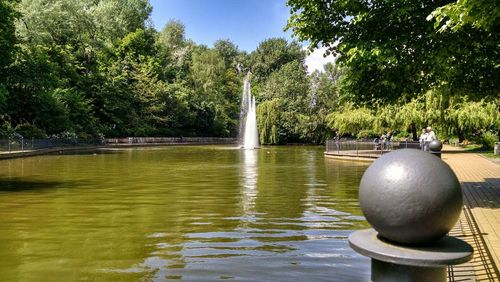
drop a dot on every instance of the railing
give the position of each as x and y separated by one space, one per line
170 140
19 143
366 148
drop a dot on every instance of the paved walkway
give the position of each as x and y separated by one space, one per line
480 221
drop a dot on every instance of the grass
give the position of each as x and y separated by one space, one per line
478 148
490 155
474 148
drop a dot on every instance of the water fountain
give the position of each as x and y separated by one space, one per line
248 135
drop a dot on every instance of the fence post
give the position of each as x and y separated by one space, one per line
22 143
357 148
9 144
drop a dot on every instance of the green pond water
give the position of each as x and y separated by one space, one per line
193 213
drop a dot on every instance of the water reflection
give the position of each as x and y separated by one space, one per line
249 182
191 213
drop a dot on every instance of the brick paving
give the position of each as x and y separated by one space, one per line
479 224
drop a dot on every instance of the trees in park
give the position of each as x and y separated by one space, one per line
91 67
8 40
396 52
98 67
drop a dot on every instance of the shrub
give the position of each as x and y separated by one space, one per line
488 140
28 130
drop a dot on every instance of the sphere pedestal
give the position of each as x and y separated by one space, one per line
435 148
401 262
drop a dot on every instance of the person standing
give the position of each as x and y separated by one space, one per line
431 136
422 139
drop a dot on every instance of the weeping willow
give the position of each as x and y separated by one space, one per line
470 117
268 120
450 116
354 121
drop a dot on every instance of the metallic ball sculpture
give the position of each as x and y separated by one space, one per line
410 197
435 145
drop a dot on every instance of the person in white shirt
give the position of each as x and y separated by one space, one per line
431 136
422 138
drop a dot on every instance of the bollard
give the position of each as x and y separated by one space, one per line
496 150
412 200
435 147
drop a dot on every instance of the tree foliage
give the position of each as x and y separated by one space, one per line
483 14
95 67
393 51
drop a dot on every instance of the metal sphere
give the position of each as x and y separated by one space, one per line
410 196
435 145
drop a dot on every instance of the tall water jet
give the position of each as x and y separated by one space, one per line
249 136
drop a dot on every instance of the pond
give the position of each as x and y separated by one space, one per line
192 213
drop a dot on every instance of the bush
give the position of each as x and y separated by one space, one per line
488 140
28 130
6 129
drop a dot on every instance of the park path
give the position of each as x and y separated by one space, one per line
479 224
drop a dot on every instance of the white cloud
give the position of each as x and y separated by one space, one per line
316 61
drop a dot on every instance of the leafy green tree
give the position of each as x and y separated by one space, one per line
217 88
392 51
31 99
7 34
322 98
482 14
271 55
352 121
7 46
470 118
172 34
285 92
228 51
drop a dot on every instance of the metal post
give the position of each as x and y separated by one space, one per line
357 149
9 144
22 143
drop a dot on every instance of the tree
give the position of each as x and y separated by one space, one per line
7 34
285 99
217 93
172 34
483 14
228 52
392 51
271 55
7 44
354 121
323 97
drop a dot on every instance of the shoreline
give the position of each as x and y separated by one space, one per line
83 149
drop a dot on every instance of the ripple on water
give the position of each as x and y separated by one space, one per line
187 213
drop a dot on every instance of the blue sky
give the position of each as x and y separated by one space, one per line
245 22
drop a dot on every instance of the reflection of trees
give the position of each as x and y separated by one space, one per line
162 213
116 214
343 178
282 174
